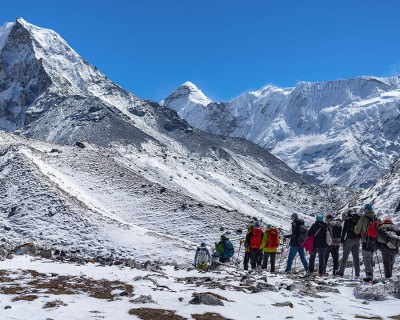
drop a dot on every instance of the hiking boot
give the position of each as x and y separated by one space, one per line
309 274
339 274
368 279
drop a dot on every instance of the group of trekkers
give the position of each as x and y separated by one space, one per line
323 238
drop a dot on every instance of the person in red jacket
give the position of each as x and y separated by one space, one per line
255 244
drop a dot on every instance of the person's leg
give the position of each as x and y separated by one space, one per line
335 257
265 260
326 258
391 262
259 257
369 270
303 259
246 260
386 264
273 258
321 260
347 245
292 254
355 251
253 259
312 261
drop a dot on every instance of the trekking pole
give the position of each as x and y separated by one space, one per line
377 258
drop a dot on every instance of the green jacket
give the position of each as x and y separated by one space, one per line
265 241
362 225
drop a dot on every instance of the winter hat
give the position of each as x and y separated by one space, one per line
368 207
319 217
294 216
223 237
250 227
203 244
330 217
269 226
389 221
256 224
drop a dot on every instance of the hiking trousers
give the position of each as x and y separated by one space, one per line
246 260
256 258
351 245
388 262
265 260
368 257
334 251
292 254
321 260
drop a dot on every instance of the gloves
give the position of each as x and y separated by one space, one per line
390 245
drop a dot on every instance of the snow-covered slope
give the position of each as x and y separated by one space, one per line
383 195
102 199
345 132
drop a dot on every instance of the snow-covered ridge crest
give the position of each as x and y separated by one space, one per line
4 32
344 131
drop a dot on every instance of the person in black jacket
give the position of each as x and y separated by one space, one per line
350 242
247 249
319 229
294 243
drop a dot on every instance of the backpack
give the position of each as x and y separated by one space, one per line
336 231
228 249
273 238
256 238
372 230
202 257
302 233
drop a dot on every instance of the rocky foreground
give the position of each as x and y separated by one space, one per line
66 286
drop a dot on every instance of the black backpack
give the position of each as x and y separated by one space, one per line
302 233
336 229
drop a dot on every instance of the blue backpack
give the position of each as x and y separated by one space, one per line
228 249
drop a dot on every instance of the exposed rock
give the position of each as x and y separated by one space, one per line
207 299
283 304
142 299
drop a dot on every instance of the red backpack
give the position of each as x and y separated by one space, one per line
256 238
372 230
273 239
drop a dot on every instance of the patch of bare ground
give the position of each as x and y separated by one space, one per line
30 282
54 304
28 297
155 314
395 317
100 289
4 276
209 316
370 318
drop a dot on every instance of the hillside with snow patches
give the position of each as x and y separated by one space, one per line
110 195
339 132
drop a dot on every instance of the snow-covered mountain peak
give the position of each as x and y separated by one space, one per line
4 32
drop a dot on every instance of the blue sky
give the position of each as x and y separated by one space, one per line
224 47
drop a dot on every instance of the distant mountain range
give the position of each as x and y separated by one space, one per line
93 164
343 132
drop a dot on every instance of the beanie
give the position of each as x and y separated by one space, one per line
319 217
256 224
389 221
368 207
294 216
330 217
